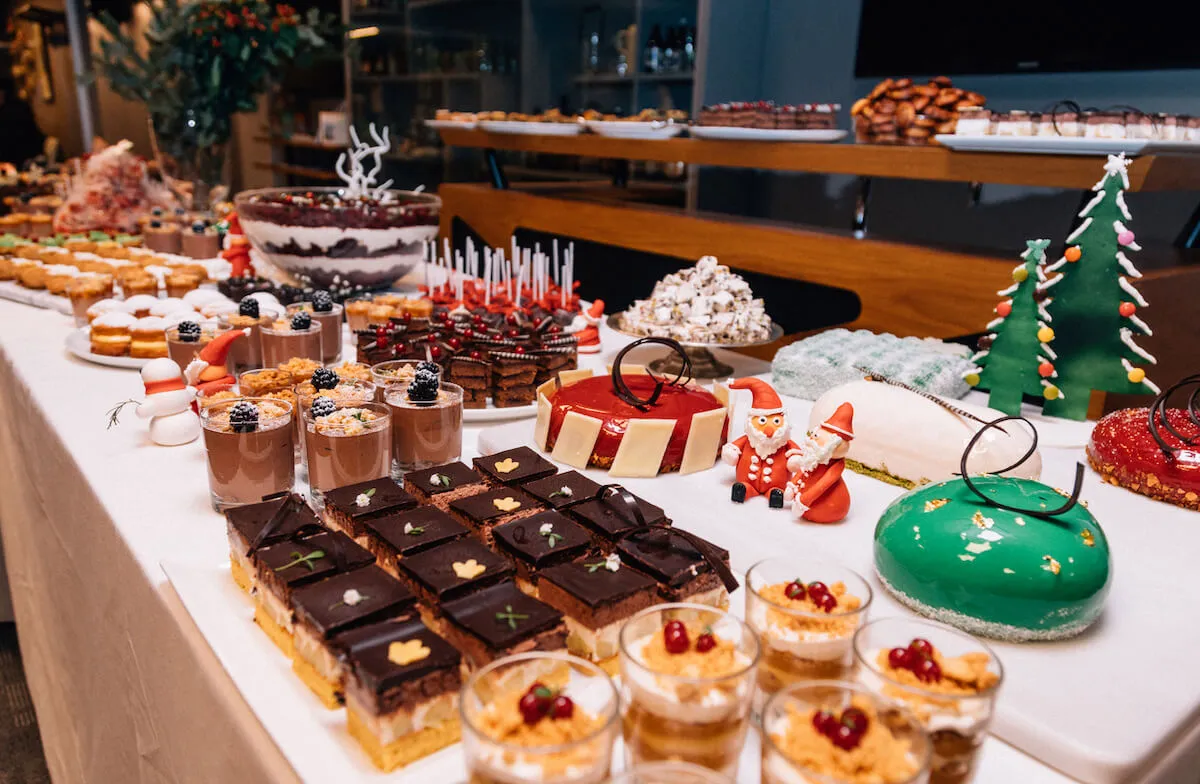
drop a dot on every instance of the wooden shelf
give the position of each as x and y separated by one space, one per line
1077 172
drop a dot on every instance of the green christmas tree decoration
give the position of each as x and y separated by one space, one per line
1011 361
1094 305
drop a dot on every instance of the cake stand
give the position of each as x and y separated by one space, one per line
705 365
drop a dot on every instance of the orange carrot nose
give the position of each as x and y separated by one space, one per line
768 430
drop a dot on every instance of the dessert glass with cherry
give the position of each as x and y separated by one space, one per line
249 446
687 683
805 612
835 732
547 717
668 772
947 678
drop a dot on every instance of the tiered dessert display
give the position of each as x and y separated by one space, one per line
899 111
700 307
110 192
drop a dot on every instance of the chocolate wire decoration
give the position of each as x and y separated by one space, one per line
1157 417
622 389
1079 111
1043 513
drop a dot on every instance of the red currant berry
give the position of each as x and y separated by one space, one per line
454 343
824 722
476 355
511 318
928 671
845 738
900 658
513 333
435 352
478 322
855 719
705 643
401 347
518 349
827 602
817 589
406 317
675 637
923 647
794 590
553 329
562 708
468 333
531 708
381 341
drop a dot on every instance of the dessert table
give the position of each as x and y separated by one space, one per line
125 685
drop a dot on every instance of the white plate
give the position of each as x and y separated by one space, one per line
79 344
466 125
493 414
635 130
531 128
725 133
1044 145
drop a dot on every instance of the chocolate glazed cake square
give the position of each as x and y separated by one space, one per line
680 569
499 621
540 541
347 508
452 570
380 685
442 484
608 519
407 533
514 466
561 489
484 511
264 523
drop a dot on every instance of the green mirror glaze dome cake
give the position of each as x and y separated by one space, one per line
945 553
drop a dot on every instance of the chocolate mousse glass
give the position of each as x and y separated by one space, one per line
343 392
947 678
328 314
245 354
687 683
545 717
426 429
351 444
249 443
297 336
812 732
397 373
185 341
805 612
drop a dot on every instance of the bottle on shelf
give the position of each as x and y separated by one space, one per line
670 52
652 56
689 47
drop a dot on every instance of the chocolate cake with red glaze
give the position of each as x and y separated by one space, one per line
631 423
1124 451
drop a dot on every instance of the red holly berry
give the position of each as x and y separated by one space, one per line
1127 309
855 719
562 708
705 642
817 589
454 343
675 637
845 738
928 671
827 602
923 647
531 708
899 658
794 590
824 722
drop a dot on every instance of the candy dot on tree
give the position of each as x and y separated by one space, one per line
1003 309
1020 274
1045 334
1136 376
1050 392
1073 253
1125 237
972 379
1045 370
1127 309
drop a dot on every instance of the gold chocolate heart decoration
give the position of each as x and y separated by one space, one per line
407 652
471 568
506 466
507 504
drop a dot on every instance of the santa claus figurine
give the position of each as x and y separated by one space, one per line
237 250
760 456
816 489
586 328
208 371
168 404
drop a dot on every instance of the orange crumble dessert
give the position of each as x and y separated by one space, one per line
835 624
353 371
855 747
536 718
300 368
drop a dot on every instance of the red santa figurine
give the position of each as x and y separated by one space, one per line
237 252
586 328
207 372
816 489
760 456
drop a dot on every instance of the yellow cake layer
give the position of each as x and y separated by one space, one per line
406 750
239 575
278 634
328 692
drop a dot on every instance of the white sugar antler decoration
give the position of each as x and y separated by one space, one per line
359 182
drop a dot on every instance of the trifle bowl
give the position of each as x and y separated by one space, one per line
323 233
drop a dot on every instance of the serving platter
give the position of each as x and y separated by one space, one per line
531 128
79 343
475 416
726 133
1046 145
619 129
466 125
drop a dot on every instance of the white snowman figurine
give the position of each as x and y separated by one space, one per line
168 404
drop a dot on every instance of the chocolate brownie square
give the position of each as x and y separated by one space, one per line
475 398
597 597
347 508
540 541
499 620
408 533
682 572
442 484
452 570
562 489
514 397
484 511
512 370
514 466
255 525
609 516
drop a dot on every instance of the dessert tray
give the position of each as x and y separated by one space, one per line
704 364
1061 145
466 125
531 128
79 344
39 299
726 133
618 129
493 414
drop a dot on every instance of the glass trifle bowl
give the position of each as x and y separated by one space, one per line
325 233
544 717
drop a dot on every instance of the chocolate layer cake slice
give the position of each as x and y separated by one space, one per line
538 542
682 572
334 605
475 378
407 533
401 691
513 377
561 489
255 525
610 516
484 511
596 597
514 466
282 567
348 508
499 621
442 484
553 360
451 570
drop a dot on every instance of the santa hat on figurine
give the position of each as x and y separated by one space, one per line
841 422
208 371
765 400
217 349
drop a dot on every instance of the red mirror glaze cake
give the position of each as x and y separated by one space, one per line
1124 451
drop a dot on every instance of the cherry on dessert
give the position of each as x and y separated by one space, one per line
513 333
531 708
562 708
826 601
794 590
518 349
900 658
468 333
511 318
406 317
855 719
476 355
454 343
923 647
845 738
675 637
816 589
706 642
435 352
927 671
824 722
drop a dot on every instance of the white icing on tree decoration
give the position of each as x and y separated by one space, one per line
360 184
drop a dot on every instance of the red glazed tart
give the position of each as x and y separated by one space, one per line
1124 451
633 424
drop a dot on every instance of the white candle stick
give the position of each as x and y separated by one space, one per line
554 246
487 276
